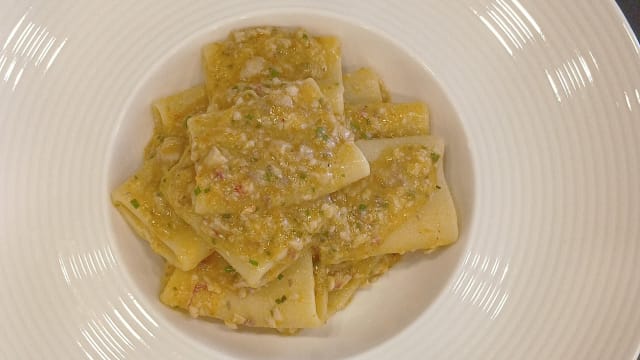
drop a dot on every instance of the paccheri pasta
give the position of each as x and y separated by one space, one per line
280 187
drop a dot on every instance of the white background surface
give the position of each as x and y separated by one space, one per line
547 116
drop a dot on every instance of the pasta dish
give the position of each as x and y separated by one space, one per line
281 186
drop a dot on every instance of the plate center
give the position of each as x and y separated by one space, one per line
377 313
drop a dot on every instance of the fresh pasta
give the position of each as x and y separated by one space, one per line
280 186
139 199
214 289
268 55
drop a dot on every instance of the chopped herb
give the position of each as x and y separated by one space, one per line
280 276
281 299
226 216
362 207
229 269
186 120
438 187
324 236
273 73
207 190
356 128
253 262
302 175
305 36
268 175
322 133
197 191
249 117
434 156
135 203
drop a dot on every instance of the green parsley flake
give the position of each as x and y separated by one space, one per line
253 262
322 133
197 191
434 157
281 299
229 269
362 207
268 175
135 203
273 73
186 120
207 190
280 276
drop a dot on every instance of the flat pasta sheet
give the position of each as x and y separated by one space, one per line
212 289
139 199
434 223
406 193
269 55
363 86
387 120
276 149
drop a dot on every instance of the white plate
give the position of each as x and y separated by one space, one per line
539 102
